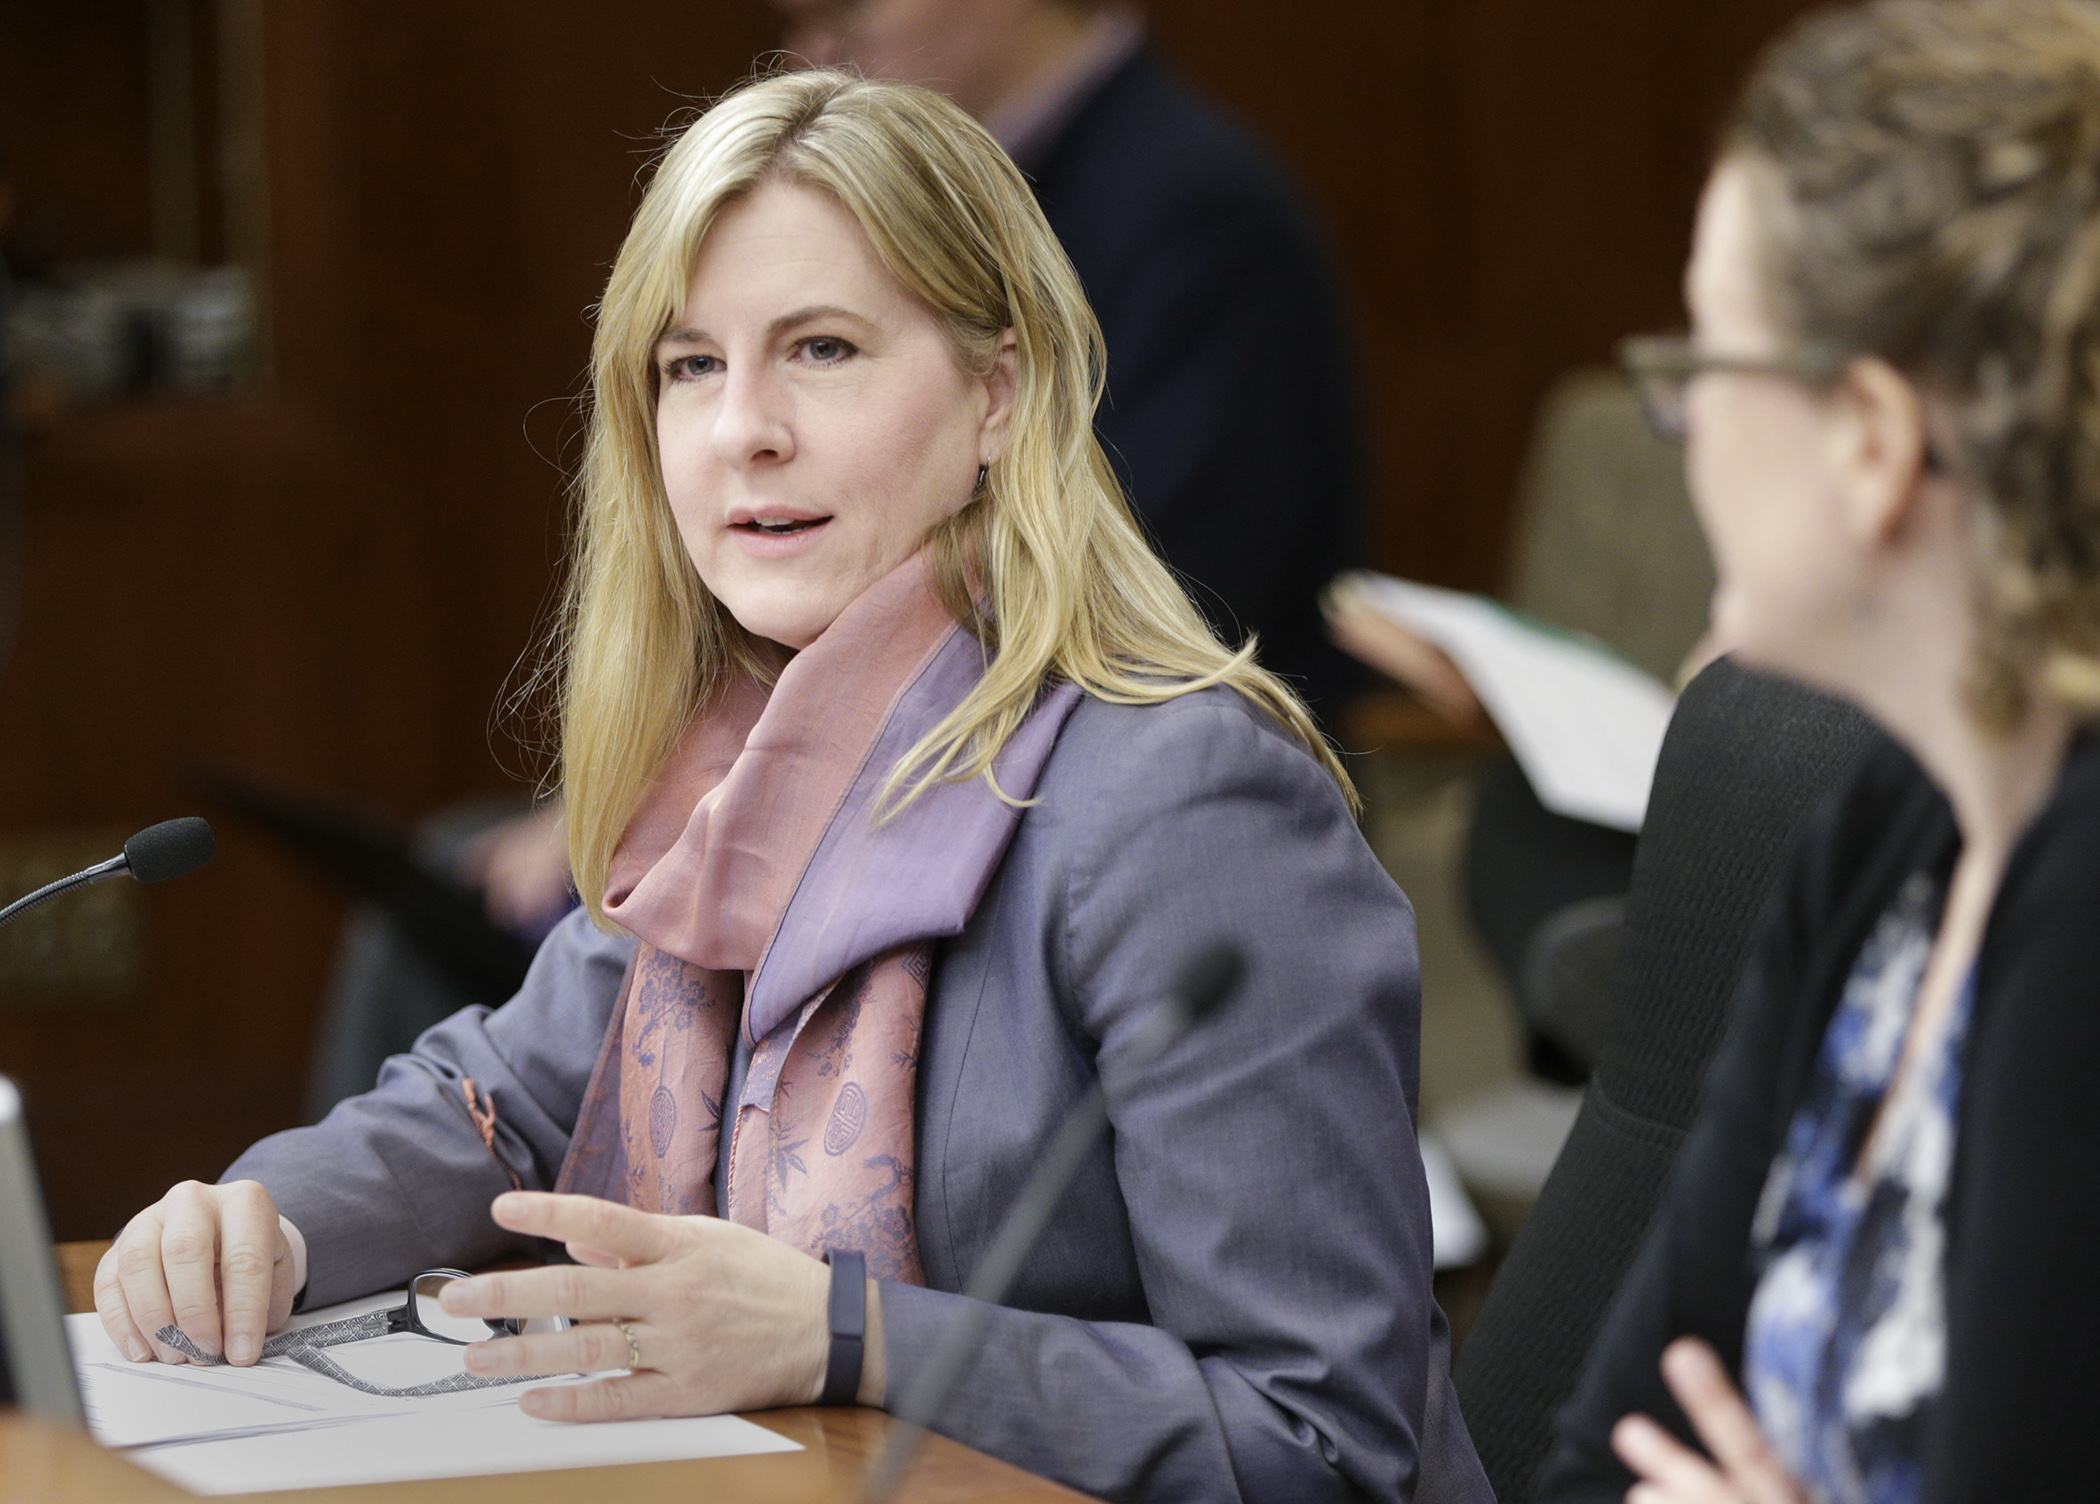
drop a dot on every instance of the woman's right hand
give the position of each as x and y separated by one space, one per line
211 1259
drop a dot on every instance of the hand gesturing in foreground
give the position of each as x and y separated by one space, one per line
1744 1470
723 1317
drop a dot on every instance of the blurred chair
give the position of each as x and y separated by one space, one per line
1605 541
1745 758
1605 544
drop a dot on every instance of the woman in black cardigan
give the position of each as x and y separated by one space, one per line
1874 1277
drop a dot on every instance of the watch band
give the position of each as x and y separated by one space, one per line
849 1326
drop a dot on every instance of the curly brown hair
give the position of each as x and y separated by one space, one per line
1940 164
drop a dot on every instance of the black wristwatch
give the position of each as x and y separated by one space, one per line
849 1327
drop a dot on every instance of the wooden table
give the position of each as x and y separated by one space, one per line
42 1464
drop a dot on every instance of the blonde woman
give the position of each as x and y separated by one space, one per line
898 776
1872 1279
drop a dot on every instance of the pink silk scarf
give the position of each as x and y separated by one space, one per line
764 894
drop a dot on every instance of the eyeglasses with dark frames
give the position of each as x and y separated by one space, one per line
1662 367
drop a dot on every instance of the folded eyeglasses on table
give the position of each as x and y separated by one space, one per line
420 1313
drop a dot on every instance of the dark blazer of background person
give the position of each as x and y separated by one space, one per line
1232 413
2015 1419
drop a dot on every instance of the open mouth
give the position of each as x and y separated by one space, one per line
780 527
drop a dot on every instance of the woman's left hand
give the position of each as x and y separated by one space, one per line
725 1318
1744 1469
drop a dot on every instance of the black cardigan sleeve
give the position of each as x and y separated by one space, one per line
1693 1275
2017 1416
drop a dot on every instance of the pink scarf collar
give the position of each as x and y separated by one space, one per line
763 891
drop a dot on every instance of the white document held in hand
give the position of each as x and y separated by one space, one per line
226 1430
1585 725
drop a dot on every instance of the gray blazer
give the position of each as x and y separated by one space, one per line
1234 1301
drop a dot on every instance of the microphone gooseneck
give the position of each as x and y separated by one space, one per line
1204 980
169 849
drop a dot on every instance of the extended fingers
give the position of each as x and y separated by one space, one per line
1726 1424
637 1237
591 1347
634 1396
562 1290
1669 1470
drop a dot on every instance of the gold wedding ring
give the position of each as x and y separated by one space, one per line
634 1345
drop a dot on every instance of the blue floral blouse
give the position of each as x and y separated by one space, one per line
1845 1348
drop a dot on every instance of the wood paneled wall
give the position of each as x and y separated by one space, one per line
333 579
1509 186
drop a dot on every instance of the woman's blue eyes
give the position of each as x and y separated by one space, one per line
818 349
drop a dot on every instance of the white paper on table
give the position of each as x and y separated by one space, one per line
226 1430
1585 725
493 1439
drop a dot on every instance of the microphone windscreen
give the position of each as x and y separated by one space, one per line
1207 976
169 849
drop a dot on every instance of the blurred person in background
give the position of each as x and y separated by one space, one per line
1231 417
1232 414
1871 1280
391 981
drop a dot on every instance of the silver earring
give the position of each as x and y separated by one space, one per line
977 491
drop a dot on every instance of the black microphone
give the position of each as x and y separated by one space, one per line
169 849
1204 980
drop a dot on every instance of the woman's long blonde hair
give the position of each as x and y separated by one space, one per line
1068 588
